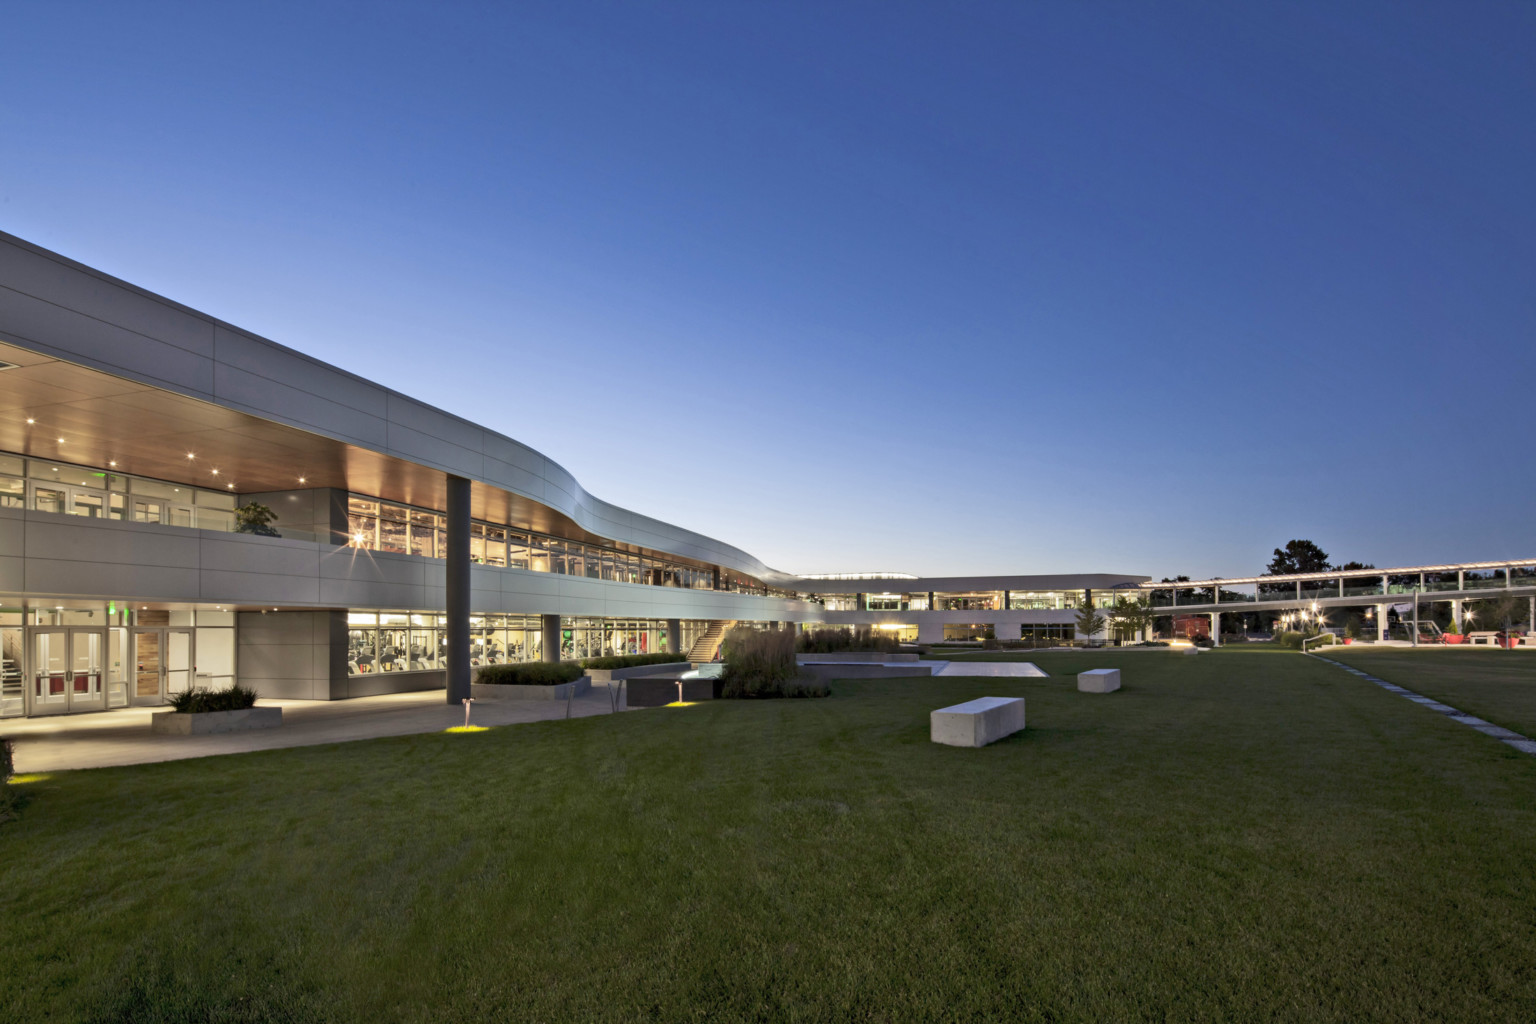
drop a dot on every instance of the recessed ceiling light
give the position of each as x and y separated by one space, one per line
61 440
191 456
31 420
215 472
301 479
230 486
112 463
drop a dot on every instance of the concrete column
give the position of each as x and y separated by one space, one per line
549 633
1215 629
1381 621
1456 616
1533 615
458 589
675 637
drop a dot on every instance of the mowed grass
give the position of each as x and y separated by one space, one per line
1242 836
1494 684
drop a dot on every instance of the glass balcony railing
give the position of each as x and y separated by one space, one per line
1359 588
1235 597
1435 585
1162 598
1483 582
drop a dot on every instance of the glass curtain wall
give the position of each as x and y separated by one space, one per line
63 488
384 526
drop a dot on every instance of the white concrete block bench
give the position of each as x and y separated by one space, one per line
1098 680
977 722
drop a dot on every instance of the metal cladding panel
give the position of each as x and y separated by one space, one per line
264 397
265 555
94 579
257 588
289 369
106 541
72 335
103 299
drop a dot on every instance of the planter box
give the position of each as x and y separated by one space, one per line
174 723
1452 638
655 691
608 675
558 691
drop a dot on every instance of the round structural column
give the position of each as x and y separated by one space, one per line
675 637
549 628
458 589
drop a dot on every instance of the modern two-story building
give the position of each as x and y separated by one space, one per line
410 545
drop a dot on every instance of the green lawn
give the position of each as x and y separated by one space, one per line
1496 685
1246 835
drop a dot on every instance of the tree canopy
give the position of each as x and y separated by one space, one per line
1298 556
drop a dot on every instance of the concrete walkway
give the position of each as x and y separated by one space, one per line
105 738
1524 744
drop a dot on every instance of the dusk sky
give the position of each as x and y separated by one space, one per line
942 289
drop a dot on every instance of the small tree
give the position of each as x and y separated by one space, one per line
1130 618
256 518
1089 621
1497 612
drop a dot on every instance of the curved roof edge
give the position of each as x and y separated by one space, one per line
74 312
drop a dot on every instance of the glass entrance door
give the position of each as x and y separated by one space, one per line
163 664
178 661
50 672
87 691
67 671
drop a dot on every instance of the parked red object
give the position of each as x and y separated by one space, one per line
1452 638
1349 640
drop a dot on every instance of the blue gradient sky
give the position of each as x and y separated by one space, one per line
997 288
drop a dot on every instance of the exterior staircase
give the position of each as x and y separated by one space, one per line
707 646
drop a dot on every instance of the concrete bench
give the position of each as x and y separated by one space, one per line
977 722
1098 680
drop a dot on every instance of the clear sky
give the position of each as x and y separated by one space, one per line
936 288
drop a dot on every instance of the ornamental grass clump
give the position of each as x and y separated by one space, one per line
761 664
201 700
830 641
530 673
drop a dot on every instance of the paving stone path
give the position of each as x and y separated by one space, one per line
1524 744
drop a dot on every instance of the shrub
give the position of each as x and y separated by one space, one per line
530 673
8 799
741 689
829 641
631 660
201 700
256 518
